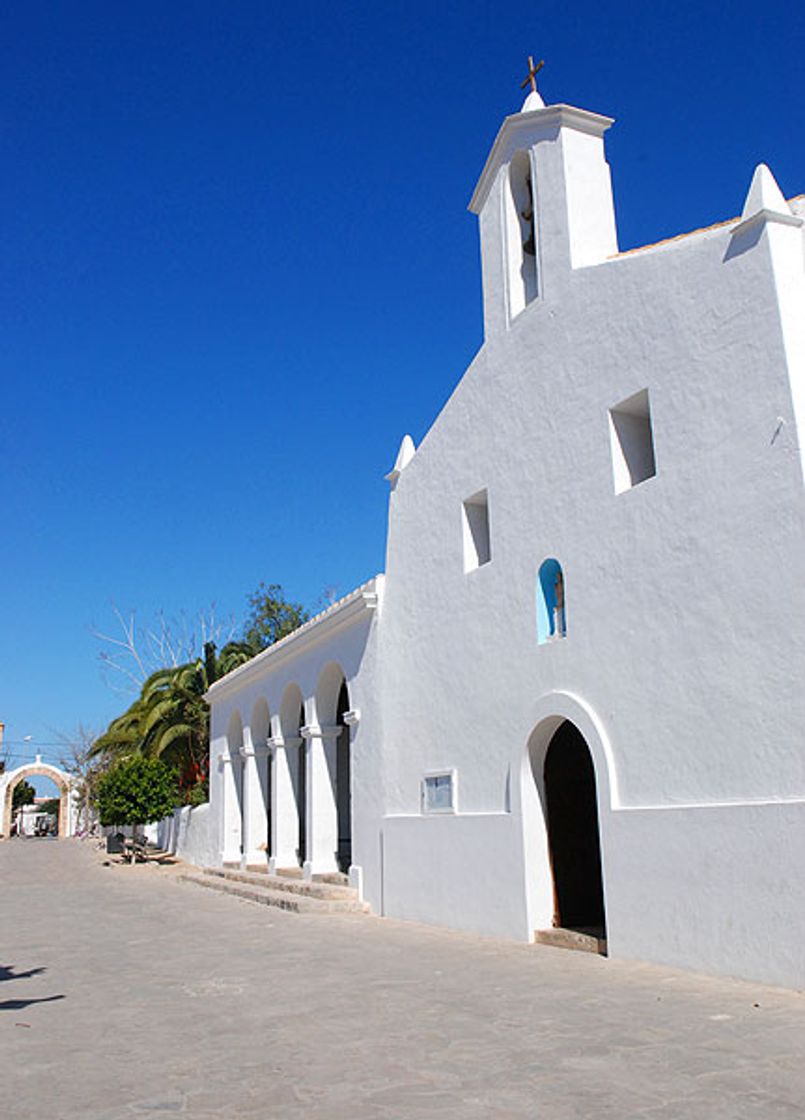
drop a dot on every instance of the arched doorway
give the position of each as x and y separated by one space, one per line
571 808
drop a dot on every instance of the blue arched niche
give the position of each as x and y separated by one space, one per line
551 617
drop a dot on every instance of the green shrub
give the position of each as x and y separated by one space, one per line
136 791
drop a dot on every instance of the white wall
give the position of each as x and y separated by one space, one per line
685 606
188 834
717 889
457 870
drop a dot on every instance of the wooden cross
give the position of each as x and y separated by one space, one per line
532 73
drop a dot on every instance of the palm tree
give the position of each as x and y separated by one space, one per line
170 719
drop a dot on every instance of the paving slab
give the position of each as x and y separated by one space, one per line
127 993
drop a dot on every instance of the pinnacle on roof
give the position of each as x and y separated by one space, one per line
764 194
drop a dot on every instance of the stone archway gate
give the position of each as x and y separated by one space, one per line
67 796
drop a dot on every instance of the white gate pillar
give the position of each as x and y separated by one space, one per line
322 806
284 812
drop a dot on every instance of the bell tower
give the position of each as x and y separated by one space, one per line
544 204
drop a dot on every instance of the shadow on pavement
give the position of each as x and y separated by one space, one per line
18 1004
7 972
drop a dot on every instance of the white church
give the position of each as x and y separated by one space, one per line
572 708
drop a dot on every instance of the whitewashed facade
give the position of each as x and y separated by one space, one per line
574 698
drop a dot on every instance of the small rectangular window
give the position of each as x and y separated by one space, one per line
439 792
632 442
477 548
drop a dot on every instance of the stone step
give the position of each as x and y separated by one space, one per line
283 900
315 889
582 940
338 878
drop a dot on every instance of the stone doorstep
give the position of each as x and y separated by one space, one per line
571 939
283 900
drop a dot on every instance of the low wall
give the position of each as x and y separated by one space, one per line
715 888
187 834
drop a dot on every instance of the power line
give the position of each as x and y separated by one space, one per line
32 743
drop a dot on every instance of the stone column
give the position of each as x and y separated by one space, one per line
232 830
355 873
322 810
254 810
284 813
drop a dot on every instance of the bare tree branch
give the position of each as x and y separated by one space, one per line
129 657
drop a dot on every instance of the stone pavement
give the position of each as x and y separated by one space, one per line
125 993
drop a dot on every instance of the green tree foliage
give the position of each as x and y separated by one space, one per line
170 719
135 791
271 617
52 806
24 794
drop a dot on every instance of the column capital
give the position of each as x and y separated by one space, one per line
224 758
246 752
352 718
314 731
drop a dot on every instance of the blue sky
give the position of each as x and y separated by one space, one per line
237 266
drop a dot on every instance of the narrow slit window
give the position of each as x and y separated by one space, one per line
632 442
477 545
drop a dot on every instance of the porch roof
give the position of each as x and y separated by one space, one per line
344 612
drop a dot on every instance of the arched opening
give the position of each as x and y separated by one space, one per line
36 802
301 786
571 808
343 783
292 785
551 612
332 704
233 792
521 234
261 729
44 815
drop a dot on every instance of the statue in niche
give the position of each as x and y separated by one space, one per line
527 214
559 606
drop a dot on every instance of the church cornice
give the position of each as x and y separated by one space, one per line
346 612
525 129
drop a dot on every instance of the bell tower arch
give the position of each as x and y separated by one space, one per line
545 186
